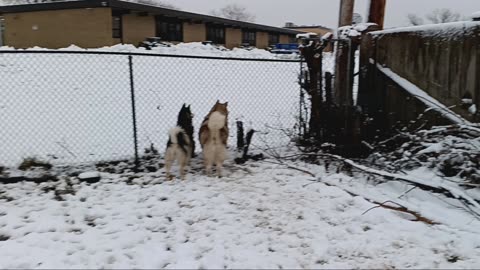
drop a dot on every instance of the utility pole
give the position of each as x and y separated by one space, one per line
346 12
343 72
348 122
377 12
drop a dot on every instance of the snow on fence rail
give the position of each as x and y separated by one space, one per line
445 30
76 106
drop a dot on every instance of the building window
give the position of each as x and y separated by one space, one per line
292 39
2 30
249 37
117 27
169 30
273 39
216 34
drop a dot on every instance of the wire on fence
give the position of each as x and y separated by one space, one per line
72 107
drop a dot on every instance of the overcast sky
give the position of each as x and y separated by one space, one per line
325 12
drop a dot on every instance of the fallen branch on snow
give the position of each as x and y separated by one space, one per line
450 192
403 209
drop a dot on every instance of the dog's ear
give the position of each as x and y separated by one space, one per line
218 101
189 106
184 105
226 104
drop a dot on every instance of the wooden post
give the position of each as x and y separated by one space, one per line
346 12
342 66
477 78
328 88
368 98
342 74
377 12
366 87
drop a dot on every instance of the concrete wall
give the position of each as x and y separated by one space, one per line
442 60
233 37
87 28
284 39
262 40
136 28
194 32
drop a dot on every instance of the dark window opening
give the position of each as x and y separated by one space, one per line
292 39
216 34
249 37
169 30
273 39
117 26
2 29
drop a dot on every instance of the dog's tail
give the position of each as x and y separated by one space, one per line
178 136
216 121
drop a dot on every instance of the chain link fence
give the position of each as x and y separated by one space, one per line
73 107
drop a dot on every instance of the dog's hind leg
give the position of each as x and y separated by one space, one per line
208 158
169 159
182 170
219 167
219 159
208 167
182 164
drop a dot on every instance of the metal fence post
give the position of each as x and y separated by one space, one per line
134 114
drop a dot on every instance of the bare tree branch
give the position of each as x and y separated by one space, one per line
234 12
469 203
414 19
403 209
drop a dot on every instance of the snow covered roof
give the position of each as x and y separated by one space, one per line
308 26
126 5
307 35
476 16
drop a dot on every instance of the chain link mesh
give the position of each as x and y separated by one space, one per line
68 107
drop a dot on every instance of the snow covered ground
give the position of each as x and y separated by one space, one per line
67 108
260 216
268 214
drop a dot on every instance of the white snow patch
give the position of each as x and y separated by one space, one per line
87 175
362 26
473 109
327 36
307 35
467 101
476 15
191 48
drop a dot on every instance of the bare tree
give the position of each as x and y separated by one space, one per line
234 12
357 18
414 19
443 15
439 15
157 3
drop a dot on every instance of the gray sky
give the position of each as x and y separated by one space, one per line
325 12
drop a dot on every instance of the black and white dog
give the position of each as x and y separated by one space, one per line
180 145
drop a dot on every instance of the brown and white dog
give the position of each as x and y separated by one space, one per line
180 145
213 136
